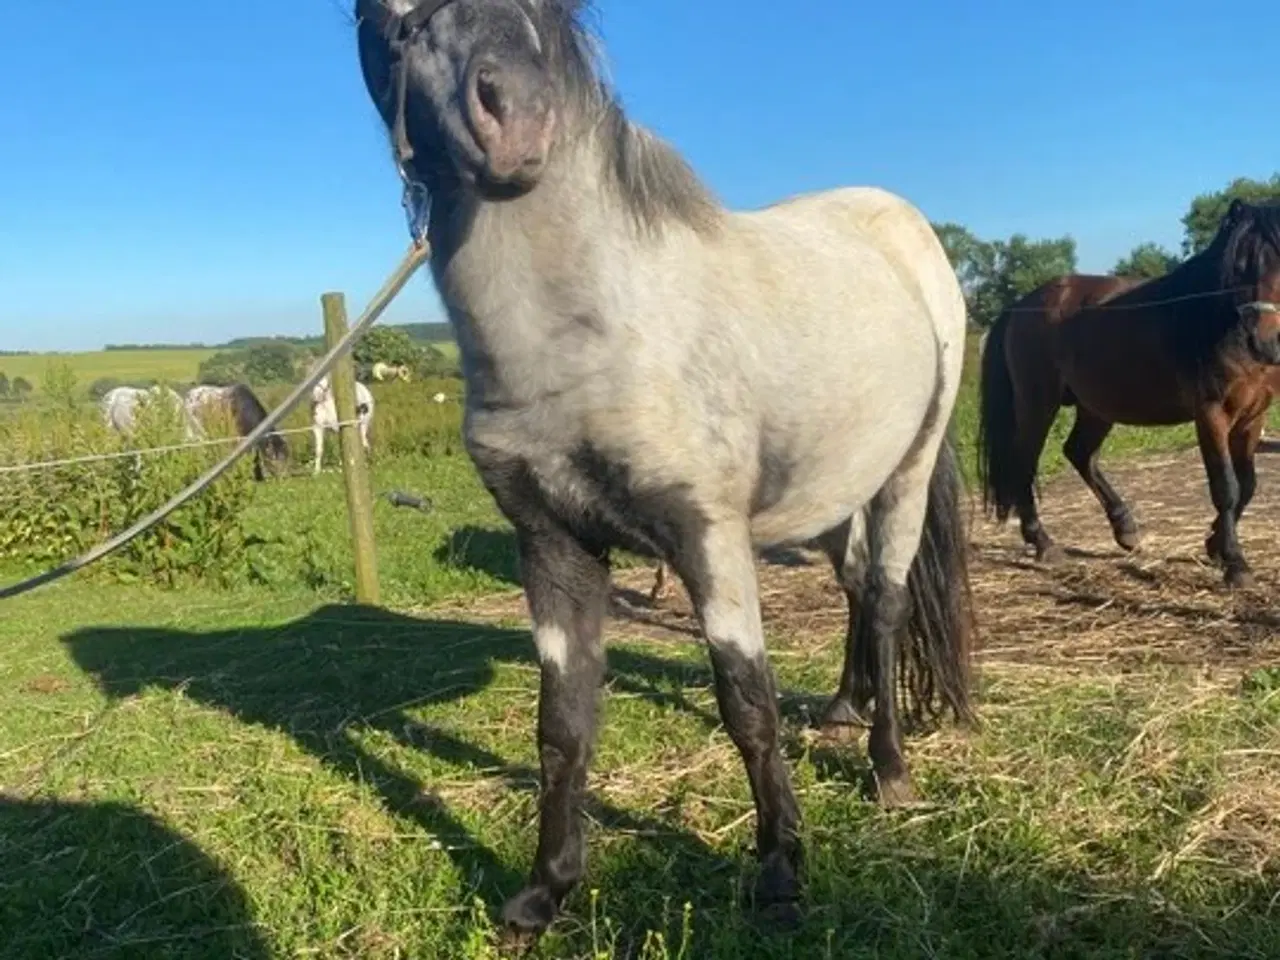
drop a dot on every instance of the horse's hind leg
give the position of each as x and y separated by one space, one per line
1081 450
661 584
895 525
846 547
720 575
1033 430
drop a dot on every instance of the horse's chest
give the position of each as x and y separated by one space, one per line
596 497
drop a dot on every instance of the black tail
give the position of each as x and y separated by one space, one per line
934 665
999 470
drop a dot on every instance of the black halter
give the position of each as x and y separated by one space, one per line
401 31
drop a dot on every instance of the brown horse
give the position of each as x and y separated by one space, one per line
1199 344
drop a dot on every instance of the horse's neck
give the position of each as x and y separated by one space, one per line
529 283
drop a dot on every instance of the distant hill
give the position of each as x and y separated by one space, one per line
421 332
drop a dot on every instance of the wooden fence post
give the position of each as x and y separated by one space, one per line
355 469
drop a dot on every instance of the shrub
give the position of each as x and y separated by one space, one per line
102 386
48 515
264 363
385 345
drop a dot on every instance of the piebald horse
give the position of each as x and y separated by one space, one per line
324 416
120 407
246 411
649 370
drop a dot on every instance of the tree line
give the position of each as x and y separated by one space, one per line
996 273
427 333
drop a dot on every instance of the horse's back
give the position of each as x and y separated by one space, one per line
859 334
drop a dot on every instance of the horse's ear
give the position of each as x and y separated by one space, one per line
1236 210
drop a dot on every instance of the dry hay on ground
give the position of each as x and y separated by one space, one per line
1101 608
1156 629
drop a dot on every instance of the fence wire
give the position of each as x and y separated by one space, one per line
37 465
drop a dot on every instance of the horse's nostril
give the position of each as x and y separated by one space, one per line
489 94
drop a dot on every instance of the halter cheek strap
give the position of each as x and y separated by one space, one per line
402 31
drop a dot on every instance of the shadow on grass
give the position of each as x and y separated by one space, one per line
104 880
345 670
478 548
494 552
877 888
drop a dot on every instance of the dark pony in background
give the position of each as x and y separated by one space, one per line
246 411
1198 344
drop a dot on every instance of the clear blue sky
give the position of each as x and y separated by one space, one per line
193 171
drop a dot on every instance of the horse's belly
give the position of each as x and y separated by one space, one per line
833 487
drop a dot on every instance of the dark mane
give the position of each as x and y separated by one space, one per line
651 179
1249 243
1199 296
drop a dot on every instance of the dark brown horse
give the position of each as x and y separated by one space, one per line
1199 344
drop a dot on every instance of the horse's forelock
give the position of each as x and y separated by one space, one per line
1248 243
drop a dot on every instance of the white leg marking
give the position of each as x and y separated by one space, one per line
553 645
730 610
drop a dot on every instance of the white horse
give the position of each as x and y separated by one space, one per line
120 406
324 415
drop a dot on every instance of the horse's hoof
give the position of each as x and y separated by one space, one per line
895 792
781 915
515 943
1238 578
1212 548
1127 536
526 916
777 891
1050 554
841 722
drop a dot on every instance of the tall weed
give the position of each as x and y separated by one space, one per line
50 514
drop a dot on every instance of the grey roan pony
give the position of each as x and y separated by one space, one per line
646 369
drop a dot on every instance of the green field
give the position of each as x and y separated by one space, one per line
255 773
127 365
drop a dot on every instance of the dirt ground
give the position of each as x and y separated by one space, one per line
1100 609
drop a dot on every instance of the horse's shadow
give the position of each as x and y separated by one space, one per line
332 677
494 552
107 880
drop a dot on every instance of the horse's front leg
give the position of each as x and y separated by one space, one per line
567 587
317 436
1243 443
719 572
1213 431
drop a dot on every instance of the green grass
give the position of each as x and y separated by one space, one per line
260 775
127 365
267 772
